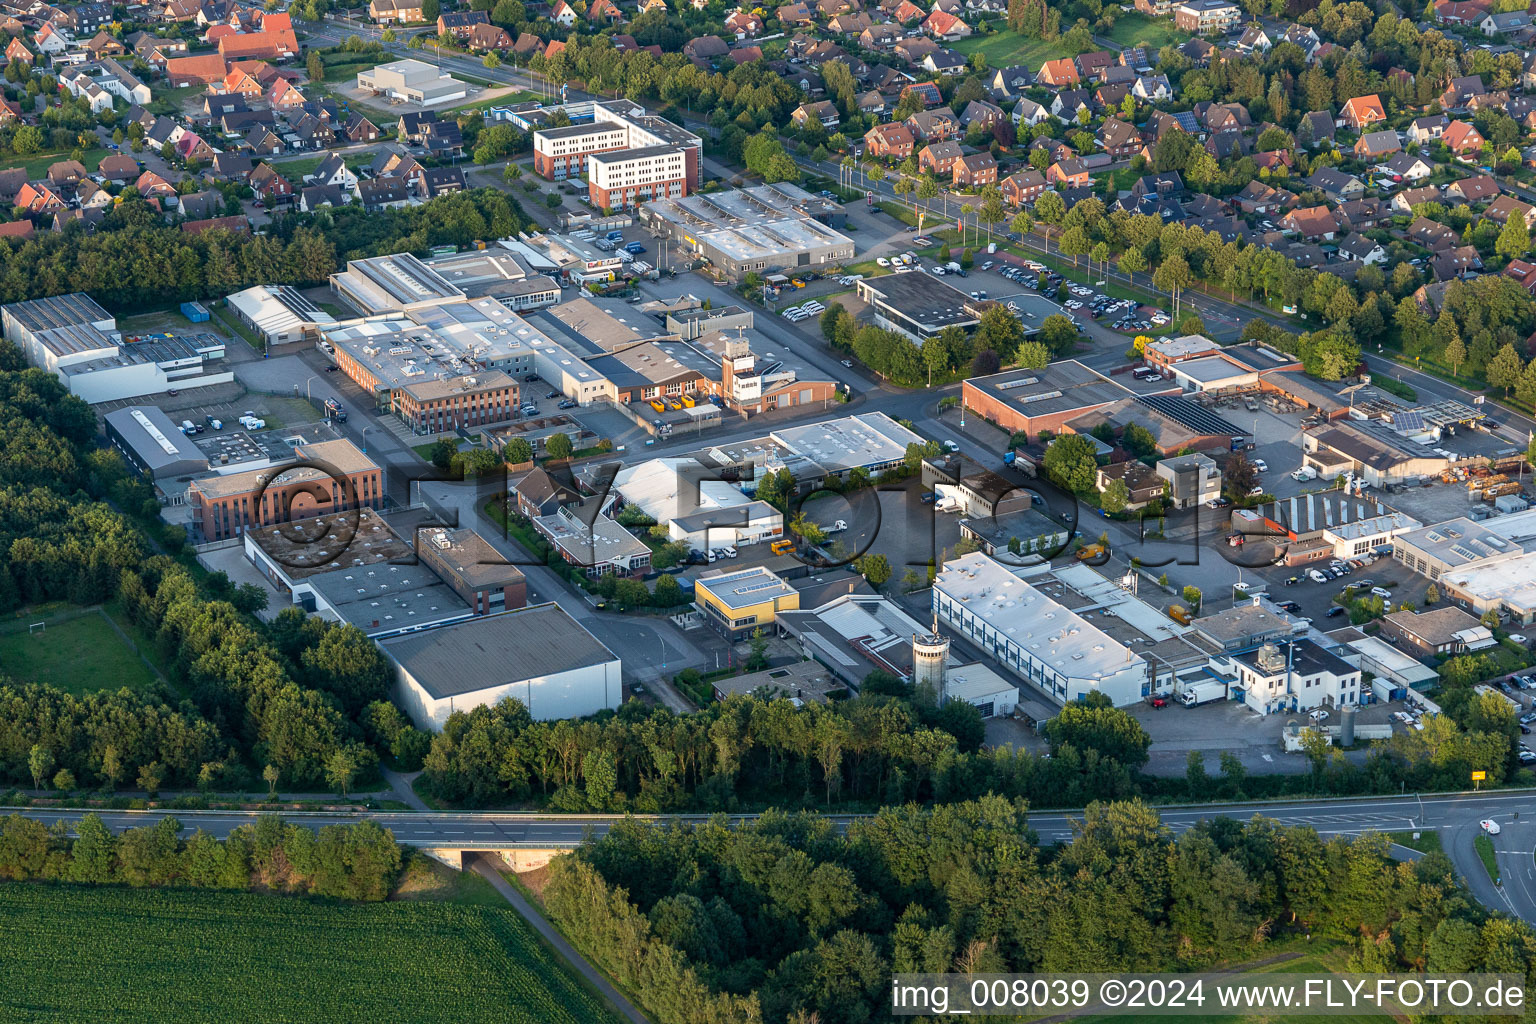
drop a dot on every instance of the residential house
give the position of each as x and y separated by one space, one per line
1109 97
705 49
441 181
1257 197
360 129
872 104
562 13
892 141
1508 23
1254 39
17 50
1460 92
1204 17
1318 128
1432 235
1068 173
1058 73
1028 113
1374 146
1504 207
315 197
1404 202
207 69
1152 89
1425 130
119 168
824 113
230 167
1462 12
1009 83
975 171
934 125
1120 140
1363 111
1023 187
1337 185
1068 105
795 15
1523 274
263 140
1362 250
1144 485
1362 214
940 25
908 13
66 172
459 24
270 186
485 38
1455 262
1461 138
939 158
850 23
50 40
332 171
1313 222
744 23
945 62
383 193
1479 188
983 113
279 45
150 184
37 197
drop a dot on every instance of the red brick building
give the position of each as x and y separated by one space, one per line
889 140
331 476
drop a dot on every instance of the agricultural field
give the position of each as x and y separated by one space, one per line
80 655
117 954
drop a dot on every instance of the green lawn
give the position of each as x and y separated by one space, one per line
1428 842
1006 48
1153 34
152 954
521 96
79 655
37 166
226 320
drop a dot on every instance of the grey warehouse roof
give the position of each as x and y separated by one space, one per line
488 652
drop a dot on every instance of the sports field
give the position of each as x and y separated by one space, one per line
79 655
110 954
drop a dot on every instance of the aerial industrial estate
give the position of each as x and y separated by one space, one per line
934 438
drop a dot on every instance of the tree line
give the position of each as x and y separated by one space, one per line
782 918
351 862
135 261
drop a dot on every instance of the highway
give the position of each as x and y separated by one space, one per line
1455 817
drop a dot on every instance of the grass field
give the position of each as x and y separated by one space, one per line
1484 847
145 954
505 99
37 166
80 655
1151 33
1005 49
1428 842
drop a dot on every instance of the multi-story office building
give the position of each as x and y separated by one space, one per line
648 157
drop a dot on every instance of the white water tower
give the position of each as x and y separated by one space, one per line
930 654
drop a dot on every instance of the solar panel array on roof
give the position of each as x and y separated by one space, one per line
1188 414
1409 422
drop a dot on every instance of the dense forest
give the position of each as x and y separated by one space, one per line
352 862
298 694
783 918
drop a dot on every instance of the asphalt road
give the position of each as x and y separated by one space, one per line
1456 817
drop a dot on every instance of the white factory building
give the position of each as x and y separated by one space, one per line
73 337
1292 676
539 656
1055 649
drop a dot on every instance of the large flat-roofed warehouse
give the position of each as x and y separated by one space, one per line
157 448
73 337
539 656
412 81
1062 654
1030 401
764 229
918 305
1376 455
393 284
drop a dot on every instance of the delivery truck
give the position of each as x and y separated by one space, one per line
1195 694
